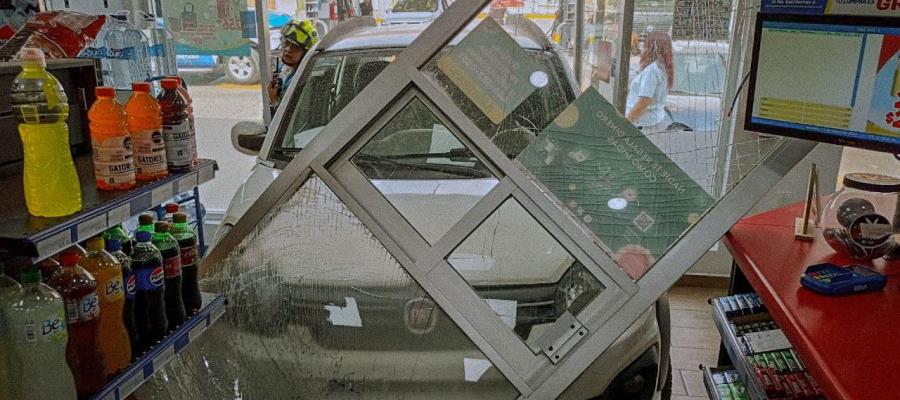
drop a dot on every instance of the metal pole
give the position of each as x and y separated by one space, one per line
264 52
579 40
620 92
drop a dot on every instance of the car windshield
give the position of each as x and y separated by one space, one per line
336 78
699 73
415 6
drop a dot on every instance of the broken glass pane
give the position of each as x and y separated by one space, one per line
522 272
318 308
424 171
607 174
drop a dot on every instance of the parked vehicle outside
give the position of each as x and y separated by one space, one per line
329 79
415 12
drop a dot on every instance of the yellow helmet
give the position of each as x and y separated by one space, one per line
300 32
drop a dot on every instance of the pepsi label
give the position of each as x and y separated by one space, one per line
130 287
149 279
156 277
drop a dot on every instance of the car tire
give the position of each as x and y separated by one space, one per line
242 70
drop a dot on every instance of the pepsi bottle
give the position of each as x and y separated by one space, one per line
149 299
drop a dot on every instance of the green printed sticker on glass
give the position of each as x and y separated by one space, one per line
492 70
613 179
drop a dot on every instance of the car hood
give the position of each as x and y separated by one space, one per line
409 17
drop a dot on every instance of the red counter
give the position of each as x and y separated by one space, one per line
850 344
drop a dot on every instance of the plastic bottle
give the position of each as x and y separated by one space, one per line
79 292
41 107
187 244
127 52
9 290
114 343
162 47
171 258
145 125
49 267
176 127
114 247
149 301
118 233
39 338
190 110
171 209
111 142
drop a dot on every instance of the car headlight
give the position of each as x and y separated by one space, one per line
577 288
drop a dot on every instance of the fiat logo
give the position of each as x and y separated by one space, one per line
420 315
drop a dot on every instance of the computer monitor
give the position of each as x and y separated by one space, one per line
826 78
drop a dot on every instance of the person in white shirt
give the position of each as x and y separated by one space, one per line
646 102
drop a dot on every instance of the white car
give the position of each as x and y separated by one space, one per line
288 321
414 12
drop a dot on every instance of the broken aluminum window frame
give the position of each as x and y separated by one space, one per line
607 316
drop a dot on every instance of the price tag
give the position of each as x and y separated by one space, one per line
206 174
90 227
55 243
118 215
186 183
161 194
131 384
163 358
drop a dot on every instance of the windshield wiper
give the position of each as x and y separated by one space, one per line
459 170
459 154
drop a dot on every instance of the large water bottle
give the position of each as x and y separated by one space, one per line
127 52
9 292
162 48
41 107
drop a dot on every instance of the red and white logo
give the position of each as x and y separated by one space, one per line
157 276
131 285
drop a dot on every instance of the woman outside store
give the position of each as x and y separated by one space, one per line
646 102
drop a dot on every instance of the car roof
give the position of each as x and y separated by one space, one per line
400 36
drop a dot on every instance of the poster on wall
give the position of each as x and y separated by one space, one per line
207 26
13 14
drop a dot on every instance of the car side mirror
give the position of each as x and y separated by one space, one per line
248 137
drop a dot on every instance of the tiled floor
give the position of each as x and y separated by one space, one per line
695 339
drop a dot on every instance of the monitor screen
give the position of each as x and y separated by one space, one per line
830 79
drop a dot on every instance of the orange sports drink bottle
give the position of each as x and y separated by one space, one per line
111 142
145 125
114 342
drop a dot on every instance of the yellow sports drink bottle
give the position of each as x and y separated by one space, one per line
41 107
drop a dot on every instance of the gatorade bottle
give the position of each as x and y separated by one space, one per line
41 107
145 126
10 290
187 244
190 110
79 292
149 301
114 247
176 127
111 143
39 337
114 342
118 233
171 258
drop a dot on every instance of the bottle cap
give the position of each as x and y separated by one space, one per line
142 236
105 91
31 275
69 258
140 87
179 218
113 245
175 77
171 208
31 55
161 226
169 84
95 243
146 219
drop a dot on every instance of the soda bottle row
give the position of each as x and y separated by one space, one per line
81 320
144 140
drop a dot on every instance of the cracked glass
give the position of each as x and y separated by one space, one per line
526 276
318 308
424 171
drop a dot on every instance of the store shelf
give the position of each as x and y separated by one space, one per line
730 342
142 369
710 384
22 234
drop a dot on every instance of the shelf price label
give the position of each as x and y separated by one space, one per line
118 214
206 174
161 194
187 183
90 227
54 243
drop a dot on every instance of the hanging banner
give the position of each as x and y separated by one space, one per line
204 27
13 14
872 8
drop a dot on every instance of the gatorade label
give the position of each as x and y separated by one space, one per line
179 144
149 152
130 287
113 161
89 307
172 266
114 291
188 255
